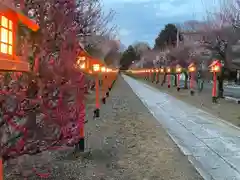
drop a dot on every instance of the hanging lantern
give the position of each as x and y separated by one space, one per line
9 17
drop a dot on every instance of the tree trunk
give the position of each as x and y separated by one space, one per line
164 79
153 76
220 86
186 80
175 80
220 79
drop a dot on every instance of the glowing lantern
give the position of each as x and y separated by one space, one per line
169 76
83 66
192 67
168 70
103 69
82 62
161 70
178 69
215 66
96 67
9 17
216 69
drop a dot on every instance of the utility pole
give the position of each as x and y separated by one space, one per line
178 33
177 37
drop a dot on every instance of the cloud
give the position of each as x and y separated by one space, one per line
124 32
140 20
126 1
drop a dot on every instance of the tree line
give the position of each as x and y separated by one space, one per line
166 37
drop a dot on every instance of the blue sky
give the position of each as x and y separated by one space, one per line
142 20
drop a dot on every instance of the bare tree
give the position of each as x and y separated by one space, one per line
221 34
141 47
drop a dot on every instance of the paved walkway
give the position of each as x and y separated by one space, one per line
212 145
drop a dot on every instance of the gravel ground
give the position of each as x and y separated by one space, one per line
125 143
226 110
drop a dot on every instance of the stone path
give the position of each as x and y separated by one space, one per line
212 145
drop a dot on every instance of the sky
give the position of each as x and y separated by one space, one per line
142 20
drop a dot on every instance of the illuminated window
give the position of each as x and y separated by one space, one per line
6 43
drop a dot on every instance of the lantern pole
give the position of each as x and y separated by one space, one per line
178 82
109 88
153 75
1 168
192 69
108 85
149 75
96 69
161 71
178 71
169 80
80 146
111 80
214 88
81 143
215 67
97 110
104 84
169 76
192 83
157 76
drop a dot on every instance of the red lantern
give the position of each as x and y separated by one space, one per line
192 69
169 76
215 67
9 17
178 71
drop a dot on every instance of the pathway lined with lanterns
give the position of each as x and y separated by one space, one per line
212 145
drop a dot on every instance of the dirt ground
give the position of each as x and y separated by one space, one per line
224 109
125 143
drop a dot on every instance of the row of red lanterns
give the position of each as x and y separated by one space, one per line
214 67
99 71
